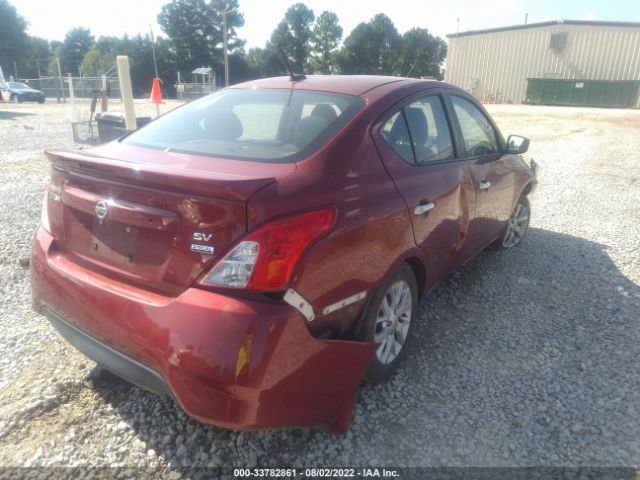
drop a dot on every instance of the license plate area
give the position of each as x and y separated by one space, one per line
114 242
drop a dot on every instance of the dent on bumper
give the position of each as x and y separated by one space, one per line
233 362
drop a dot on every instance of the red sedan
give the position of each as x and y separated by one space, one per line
257 252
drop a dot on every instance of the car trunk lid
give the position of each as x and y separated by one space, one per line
149 218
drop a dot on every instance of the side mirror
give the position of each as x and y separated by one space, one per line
517 144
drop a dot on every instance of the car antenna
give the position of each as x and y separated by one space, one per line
295 77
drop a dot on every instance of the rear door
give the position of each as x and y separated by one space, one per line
491 172
416 144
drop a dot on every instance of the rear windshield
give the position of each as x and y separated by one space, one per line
260 125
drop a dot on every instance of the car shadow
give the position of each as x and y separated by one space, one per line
12 115
533 350
518 345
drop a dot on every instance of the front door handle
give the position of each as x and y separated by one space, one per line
484 185
423 208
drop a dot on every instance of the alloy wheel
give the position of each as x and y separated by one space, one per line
392 323
517 226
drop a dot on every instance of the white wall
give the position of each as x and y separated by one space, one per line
502 61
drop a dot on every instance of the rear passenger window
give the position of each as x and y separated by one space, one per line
419 133
479 137
395 132
429 130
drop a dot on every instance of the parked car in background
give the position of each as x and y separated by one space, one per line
258 251
18 92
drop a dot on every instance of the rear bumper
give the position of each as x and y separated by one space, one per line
233 362
118 363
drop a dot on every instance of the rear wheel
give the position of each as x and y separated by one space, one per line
388 322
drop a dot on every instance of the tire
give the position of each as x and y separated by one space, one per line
41 101
517 227
373 326
14 99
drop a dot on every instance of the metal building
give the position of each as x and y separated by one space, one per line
568 62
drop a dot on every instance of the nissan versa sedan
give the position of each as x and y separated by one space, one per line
258 252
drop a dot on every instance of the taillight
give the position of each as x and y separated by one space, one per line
44 214
51 193
265 259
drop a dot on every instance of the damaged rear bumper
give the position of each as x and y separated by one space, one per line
233 362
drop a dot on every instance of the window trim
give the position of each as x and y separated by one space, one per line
399 107
406 125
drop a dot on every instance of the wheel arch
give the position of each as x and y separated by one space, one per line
528 188
420 272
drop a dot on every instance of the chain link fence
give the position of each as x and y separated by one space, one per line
190 91
82 86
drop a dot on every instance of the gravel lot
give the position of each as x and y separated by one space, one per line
528 357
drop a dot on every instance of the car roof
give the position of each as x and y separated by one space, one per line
346 84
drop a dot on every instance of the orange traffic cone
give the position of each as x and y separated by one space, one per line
156 95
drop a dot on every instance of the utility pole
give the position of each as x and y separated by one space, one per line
39 79
15 68
224 39
153 50
526 18
60 80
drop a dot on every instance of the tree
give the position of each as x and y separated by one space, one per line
325 38
421 54
140 54
195 30
102 58
109 44
239 68
264 62
292 36
39 49
77 42
14 44
371 48
96 62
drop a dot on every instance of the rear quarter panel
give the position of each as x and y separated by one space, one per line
372 233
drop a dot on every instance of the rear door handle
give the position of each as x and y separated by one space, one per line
484 185
423 208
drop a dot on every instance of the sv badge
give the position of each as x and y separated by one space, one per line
202 237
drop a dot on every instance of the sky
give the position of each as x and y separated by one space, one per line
52 19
